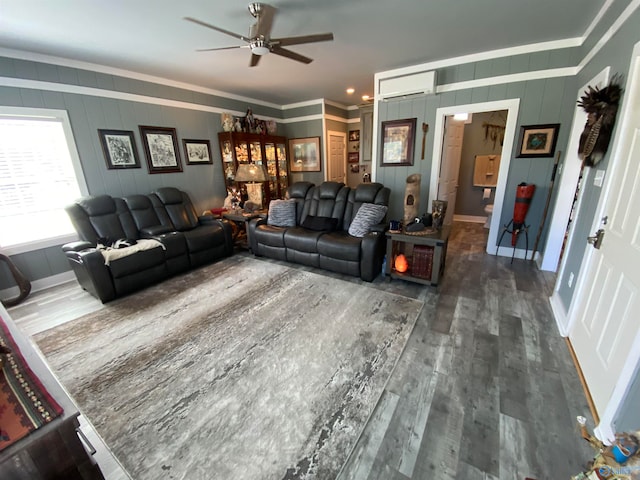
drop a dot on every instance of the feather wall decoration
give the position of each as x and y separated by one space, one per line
601 106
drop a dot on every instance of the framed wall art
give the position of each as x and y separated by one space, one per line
353 157
197 152
538 140
304 154
354 135
397 142
161 149
119 148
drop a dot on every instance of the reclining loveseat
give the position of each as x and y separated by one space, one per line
160 233
330 226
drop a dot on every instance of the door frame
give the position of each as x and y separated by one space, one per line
512 106
571 166
336 133
605 429
567 185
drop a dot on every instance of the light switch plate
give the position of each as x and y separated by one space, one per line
598 178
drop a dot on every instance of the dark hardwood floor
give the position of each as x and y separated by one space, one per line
485 389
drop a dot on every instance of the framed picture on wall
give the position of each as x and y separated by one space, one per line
119 148
161 148
354 157
397 142
538 140
354 135
304 154
197 152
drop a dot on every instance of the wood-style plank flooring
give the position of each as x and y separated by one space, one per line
485 388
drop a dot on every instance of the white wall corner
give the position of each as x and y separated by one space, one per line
559 313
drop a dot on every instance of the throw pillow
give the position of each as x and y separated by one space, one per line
282 213
320 224
367 216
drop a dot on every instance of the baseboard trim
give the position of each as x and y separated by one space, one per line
41 284
469 218
587 393
508 252
559 313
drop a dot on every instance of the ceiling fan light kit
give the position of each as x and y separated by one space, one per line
260 42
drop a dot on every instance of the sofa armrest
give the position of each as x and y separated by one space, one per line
380 227
150 232
76 246
372 250
207 219
251 229
92 274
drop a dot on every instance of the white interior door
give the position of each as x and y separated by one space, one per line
605 322
450 165
337 168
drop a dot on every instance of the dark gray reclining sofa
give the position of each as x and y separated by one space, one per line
336 251
166 215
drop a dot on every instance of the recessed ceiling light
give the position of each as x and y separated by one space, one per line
461 117
351 91
365 97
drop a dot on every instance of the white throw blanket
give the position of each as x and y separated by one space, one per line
111 254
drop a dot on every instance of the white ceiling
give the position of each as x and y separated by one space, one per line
151 37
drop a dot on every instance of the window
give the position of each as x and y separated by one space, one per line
40 173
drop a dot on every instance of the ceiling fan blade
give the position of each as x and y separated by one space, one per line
283 52
254 60
287 41
221 48
218 29
265 22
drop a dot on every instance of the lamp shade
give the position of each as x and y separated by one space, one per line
250 172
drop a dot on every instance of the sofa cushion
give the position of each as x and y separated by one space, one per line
282 213
301 239
270 235
320 224
368 215
339 245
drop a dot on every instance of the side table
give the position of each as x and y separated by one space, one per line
239 220
401 242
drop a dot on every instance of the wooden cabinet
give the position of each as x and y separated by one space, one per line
267 150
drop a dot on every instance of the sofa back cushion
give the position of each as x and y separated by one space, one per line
375 193
328 199
142 211
174 206
299 191
101 218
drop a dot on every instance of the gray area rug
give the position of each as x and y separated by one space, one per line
243 369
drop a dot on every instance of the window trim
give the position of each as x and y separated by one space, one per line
63 117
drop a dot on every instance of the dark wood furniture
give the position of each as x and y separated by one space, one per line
267 150
239 222
404 243
53 451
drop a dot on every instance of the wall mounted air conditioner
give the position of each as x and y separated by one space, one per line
421 83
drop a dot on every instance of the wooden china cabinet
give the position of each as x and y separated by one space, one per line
267 150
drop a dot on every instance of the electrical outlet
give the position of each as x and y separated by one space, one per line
570 281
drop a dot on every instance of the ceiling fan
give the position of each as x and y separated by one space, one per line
259 39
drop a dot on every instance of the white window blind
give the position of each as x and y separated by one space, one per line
37 179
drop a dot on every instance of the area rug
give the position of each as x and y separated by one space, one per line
25 404
244 369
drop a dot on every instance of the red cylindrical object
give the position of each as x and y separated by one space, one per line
524 193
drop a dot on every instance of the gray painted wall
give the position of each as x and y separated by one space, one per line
88 113
541 101
628 418
469 200
616 54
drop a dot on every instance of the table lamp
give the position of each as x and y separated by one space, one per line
252 175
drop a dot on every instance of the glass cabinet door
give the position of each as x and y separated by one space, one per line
256 153
272 172
283 171
228 165
242 152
